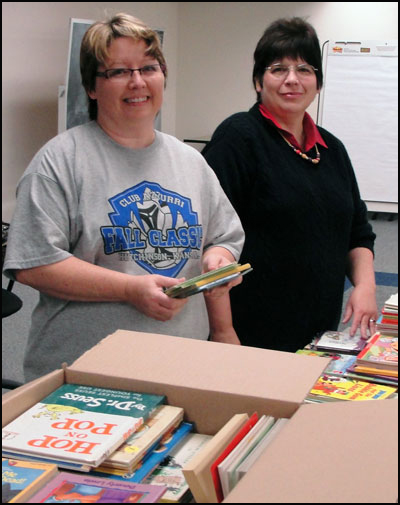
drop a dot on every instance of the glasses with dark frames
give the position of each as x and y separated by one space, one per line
127 73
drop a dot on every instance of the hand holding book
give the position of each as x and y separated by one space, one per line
208 280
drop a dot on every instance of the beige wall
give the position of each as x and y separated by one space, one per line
35 54
208 47
217 41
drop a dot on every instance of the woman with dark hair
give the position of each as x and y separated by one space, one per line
294 188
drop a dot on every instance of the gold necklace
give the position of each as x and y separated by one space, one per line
300 153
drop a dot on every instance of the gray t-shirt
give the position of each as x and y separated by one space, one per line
151 210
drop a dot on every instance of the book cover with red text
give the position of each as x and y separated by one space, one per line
79 423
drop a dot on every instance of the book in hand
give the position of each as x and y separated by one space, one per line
340 341
208 280
169 471
332 388
68 487
79 424
380 352
22 479
151 460
164 420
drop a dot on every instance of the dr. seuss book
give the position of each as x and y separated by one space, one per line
163 420
74 488
21 479
169 472
79 423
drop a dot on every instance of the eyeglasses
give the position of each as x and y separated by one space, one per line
127 73
280 71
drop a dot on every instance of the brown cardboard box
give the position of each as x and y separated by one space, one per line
311 458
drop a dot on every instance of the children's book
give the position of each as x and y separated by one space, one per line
151 461
68 465
197 471
340 341
164 420
79 424
21 479
339 363
227 450
268 437
69 487
381 352
208 280
169 471
227 467
340 388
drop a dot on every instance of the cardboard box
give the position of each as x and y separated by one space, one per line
338 452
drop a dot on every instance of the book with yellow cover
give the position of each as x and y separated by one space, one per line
330 387
208 280
21 479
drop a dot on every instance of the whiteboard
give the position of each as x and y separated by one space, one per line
73 101
359 105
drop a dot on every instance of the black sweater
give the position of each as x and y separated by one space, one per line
300 221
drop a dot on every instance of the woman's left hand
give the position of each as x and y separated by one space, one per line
213 260
362 306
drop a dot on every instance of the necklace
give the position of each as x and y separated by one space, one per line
303 155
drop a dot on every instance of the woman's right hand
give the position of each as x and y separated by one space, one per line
146 293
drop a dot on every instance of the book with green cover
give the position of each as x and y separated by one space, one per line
79 423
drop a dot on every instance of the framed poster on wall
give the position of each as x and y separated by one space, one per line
73 102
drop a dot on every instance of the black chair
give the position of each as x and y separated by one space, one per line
10 302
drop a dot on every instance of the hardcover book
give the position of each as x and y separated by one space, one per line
251 458
169 471
208 280
79 424
197 472
164 420
69 487
244 430
21 479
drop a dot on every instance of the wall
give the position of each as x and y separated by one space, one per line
217 40
35 54
208 46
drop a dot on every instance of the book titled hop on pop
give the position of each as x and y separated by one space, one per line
79 423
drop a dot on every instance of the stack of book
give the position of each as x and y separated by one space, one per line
388 321
118 438
359 369
208 280
219 466
378 361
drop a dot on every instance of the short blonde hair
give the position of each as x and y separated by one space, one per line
97 41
